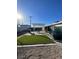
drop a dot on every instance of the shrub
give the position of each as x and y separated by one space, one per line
57 33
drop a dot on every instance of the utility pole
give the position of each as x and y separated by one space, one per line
22 22
30 20
18 23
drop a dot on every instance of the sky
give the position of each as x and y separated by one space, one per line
42 11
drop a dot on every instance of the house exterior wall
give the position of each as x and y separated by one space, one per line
52 26
38 27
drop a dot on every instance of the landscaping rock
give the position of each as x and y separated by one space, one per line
40 52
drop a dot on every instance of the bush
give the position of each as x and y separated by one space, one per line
49 30
57 33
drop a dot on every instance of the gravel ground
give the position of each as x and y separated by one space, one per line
58 50
40 52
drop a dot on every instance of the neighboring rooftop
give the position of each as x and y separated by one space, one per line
56 23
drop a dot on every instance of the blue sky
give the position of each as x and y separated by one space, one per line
42 11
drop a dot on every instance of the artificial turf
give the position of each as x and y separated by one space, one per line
33 39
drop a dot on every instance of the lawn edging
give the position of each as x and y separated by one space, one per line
36 45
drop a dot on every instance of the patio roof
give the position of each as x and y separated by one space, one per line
57 23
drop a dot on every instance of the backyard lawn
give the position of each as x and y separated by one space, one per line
33 39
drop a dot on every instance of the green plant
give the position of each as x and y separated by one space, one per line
57 33
33 39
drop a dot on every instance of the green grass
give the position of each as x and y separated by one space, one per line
33 39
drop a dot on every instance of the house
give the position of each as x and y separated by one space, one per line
38 27
52 26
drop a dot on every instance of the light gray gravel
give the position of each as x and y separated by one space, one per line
40 52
